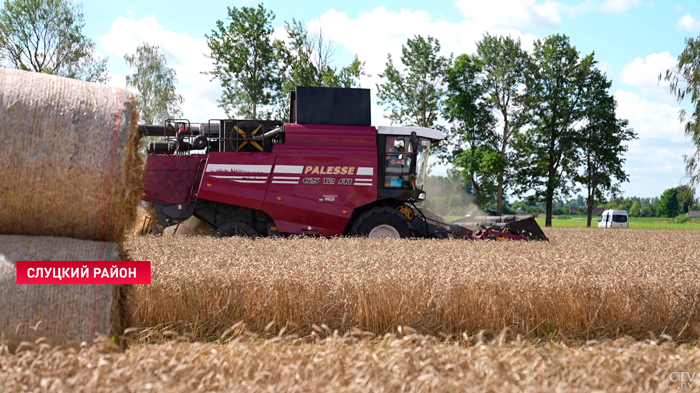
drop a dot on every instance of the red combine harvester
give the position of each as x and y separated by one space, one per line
328 172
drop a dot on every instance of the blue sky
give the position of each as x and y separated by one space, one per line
633 41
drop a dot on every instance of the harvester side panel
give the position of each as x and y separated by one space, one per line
169 179
315 190
237 178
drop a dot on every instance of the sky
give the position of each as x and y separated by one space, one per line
632 41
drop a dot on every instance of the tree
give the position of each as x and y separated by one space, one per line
414 97
601 144
686 198
46 36
246 62
309 61
157 98
503 62
635 210
684 80
646 211
668 203
472 137
556 80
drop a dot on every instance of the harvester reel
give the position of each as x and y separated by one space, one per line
406 211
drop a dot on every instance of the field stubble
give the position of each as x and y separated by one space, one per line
584 284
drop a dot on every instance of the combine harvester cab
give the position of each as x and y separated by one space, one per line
327 172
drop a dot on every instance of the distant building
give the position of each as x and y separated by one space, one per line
596 210
694 214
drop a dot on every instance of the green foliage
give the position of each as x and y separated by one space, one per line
308 61
157 98
668 203
557 80
503 62
246 62
46 36
601 143
686 198
472 138
414 96
684 81
635 210
682 219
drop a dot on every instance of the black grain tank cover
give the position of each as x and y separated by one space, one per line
331 105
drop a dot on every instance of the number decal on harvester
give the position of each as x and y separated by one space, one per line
312 180
345 181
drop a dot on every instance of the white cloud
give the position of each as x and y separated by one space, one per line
655 160
644 74
618 6
512 13
688 23
533 13
650 120
183 53
375 34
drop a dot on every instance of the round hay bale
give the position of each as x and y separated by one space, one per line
60 313
69 157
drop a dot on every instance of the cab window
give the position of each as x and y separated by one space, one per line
398 161
619 218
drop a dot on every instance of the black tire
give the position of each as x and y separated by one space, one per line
235 228
380 219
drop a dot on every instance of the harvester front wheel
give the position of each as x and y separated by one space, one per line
382 222
235 228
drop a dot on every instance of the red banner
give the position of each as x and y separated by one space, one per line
83 272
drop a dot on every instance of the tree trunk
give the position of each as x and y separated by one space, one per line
589 203
548 212
477 192
499 204
504 146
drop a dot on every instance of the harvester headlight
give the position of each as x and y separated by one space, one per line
421 196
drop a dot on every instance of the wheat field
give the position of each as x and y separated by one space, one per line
411 363
590 311
584 284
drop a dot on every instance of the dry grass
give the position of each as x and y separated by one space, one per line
584 284
411 363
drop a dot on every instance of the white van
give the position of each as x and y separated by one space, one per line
613 219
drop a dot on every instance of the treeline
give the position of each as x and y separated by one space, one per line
451 198
538 125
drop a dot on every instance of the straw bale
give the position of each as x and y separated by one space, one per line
69 157
61 313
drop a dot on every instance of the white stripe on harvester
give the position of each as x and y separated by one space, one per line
239 177
289 168
365 171
286 177
239 168
285 182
